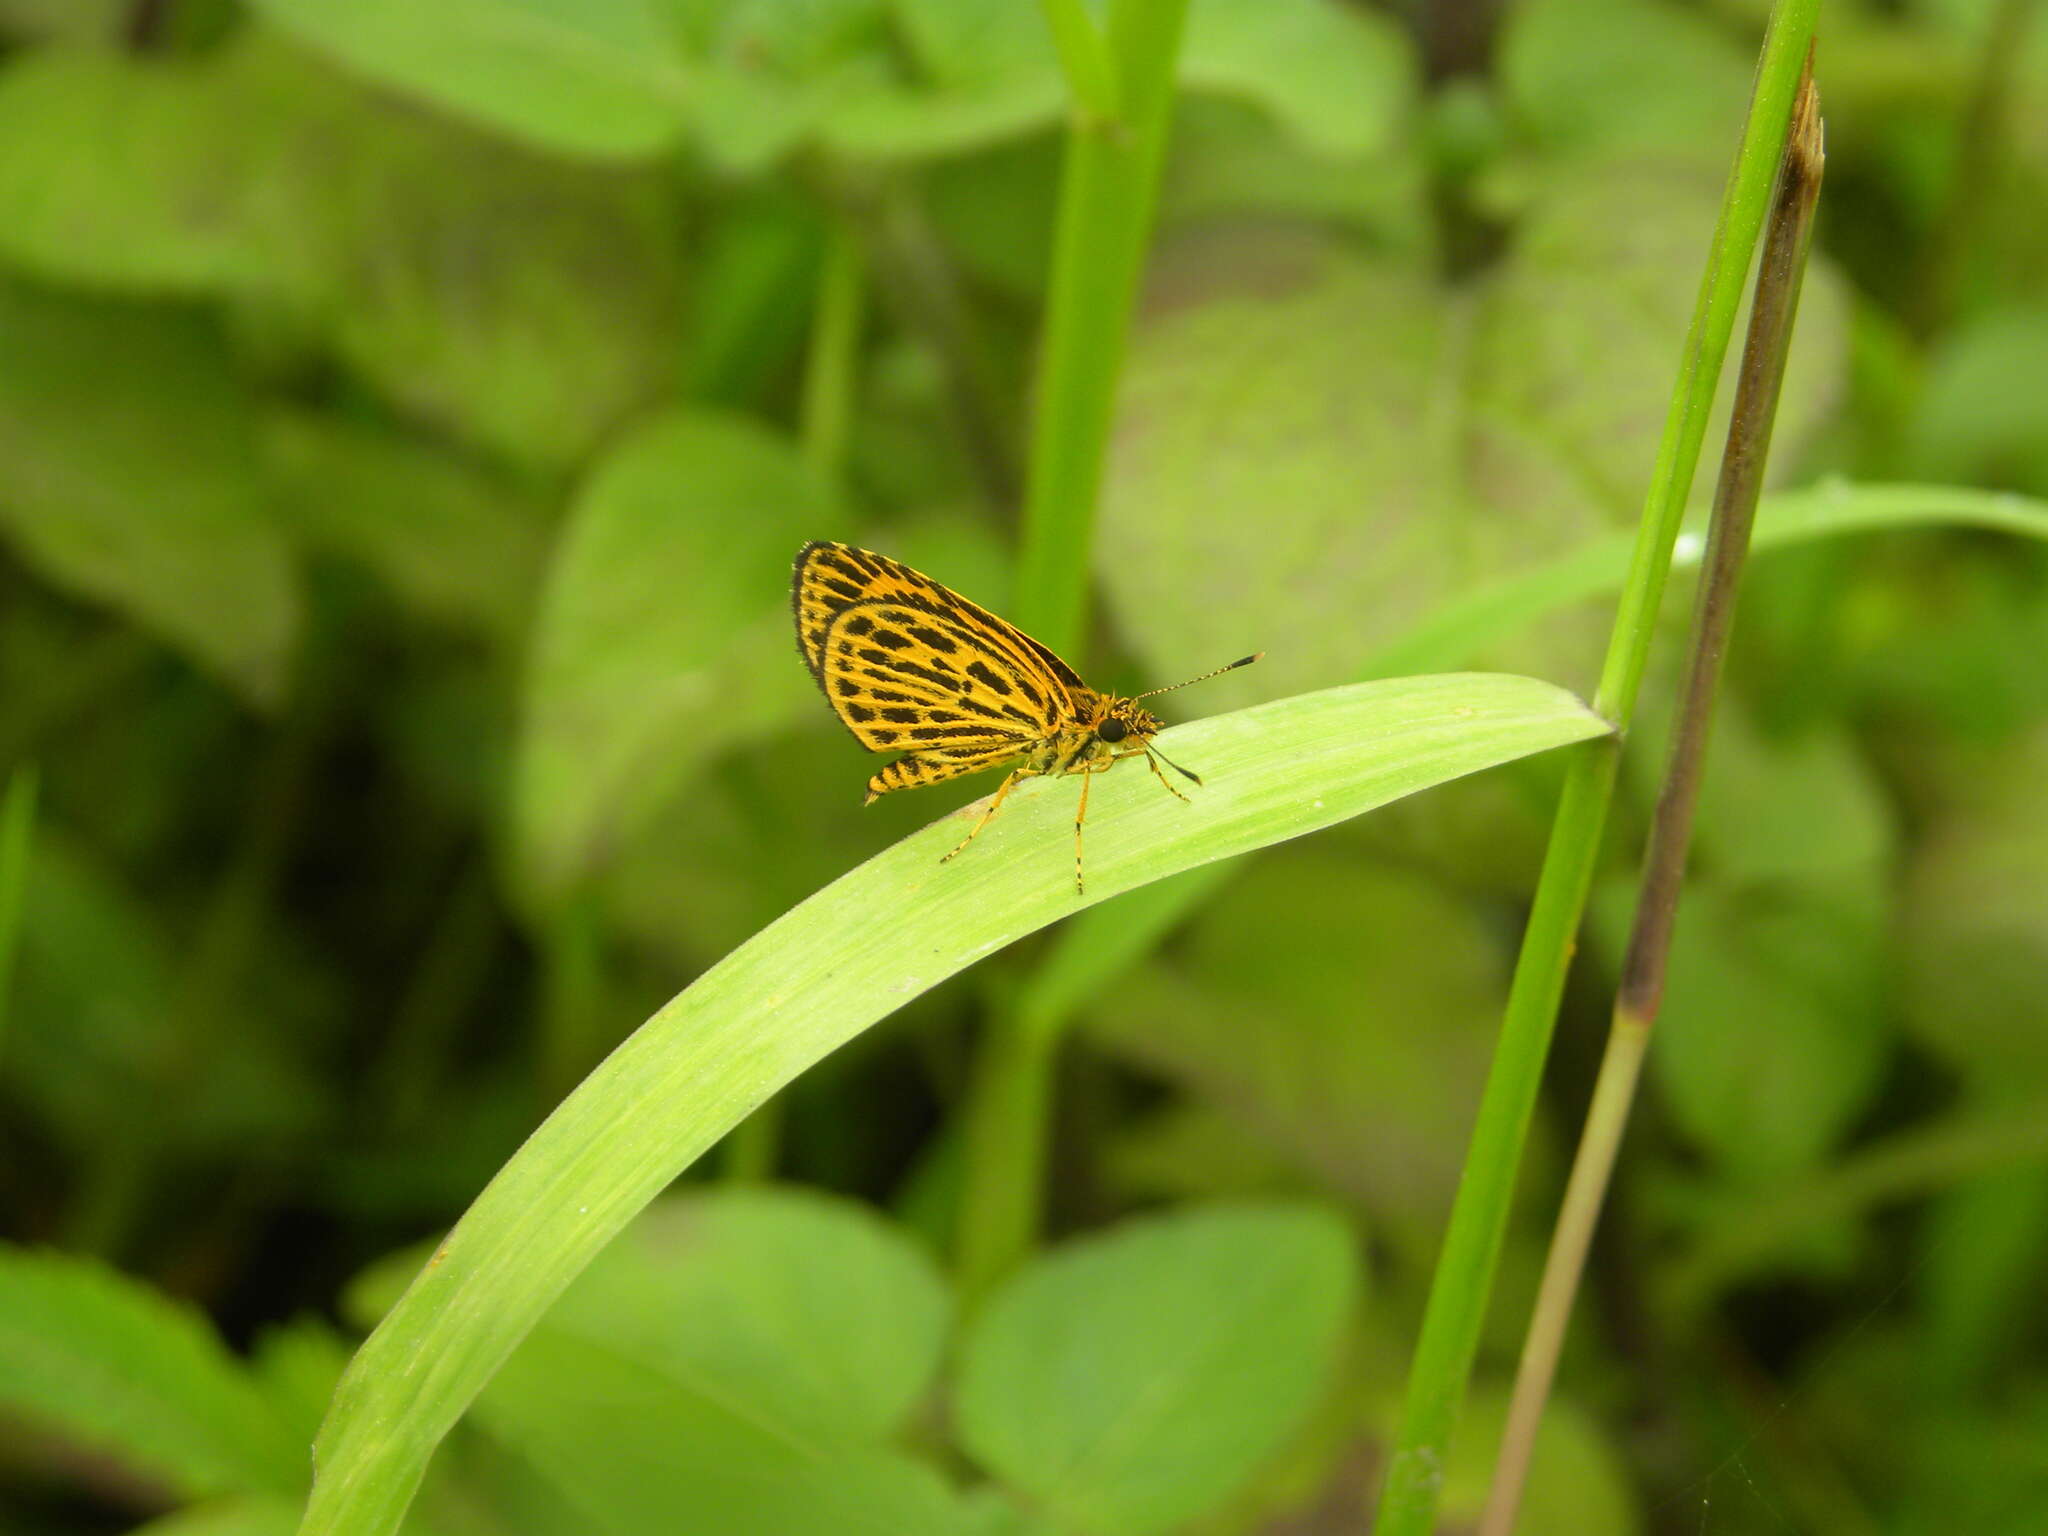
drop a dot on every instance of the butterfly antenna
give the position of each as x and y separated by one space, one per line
1242 661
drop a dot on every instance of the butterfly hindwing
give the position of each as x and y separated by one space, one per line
922 768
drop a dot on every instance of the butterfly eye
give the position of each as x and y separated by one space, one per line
1112 730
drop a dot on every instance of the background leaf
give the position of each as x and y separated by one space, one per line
1132 1381
634 682
1273 772
119 1367
137 486
1368 1087
597 79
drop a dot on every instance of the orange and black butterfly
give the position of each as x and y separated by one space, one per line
913 667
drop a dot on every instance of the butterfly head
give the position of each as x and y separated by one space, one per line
1124 724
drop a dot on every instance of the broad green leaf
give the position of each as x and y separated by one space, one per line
808 1314
227 1517
1624 76
94 1035
1336 77
772 76
126 174
1976 1471
1984 412
1774 1033
137 486
525 304
1228 161
755 284
1467 625
781 1334
453 540
663 636
1987 1136
828 969
1188 1151
1365 1078
1796 807
769 823
1131 1381
295 1365
753 81
1849 830
1981 1250
1975 929
1401 444
104 1360
87 21
632 1449
986 72
591 77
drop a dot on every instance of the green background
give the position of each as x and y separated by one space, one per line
408 412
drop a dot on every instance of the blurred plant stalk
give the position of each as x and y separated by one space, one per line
1120 77
17 835
1463 1283
1641 992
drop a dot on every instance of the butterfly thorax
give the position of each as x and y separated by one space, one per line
1103 727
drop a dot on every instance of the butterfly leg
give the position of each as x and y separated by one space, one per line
1153 763
994 805
1081 815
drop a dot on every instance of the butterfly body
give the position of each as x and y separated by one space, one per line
911 666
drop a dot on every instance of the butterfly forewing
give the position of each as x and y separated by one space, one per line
911 666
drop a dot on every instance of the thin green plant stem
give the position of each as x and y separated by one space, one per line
1085 59
1011 1094
754 1147
825 971
1456 1309
916 279
17 837
1108 193
1585 1193
572 983
833 361
1772 315
1009 1117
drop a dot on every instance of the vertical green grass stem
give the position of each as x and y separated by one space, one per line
1108 193
832 362
1641 991
1463 1284
1121 81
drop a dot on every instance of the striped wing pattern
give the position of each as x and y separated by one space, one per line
911 666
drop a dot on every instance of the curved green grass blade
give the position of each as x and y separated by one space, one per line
1089 953
1460 630
830 967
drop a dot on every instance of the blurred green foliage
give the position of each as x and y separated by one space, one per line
403 436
